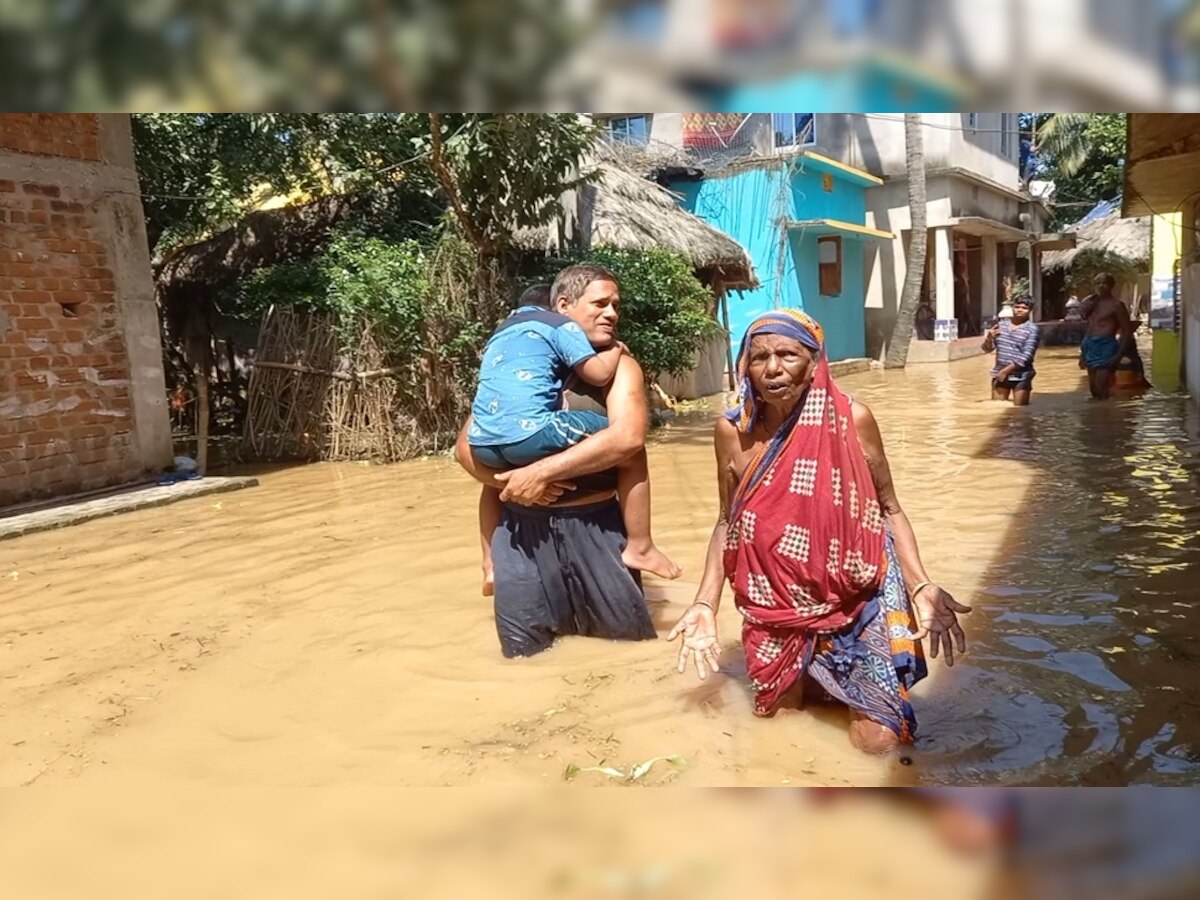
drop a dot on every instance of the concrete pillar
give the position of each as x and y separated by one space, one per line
945 325
988 282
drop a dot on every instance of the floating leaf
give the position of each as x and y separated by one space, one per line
606 770
642 768
1111 651
638 771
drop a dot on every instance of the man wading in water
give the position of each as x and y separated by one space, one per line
1102 350
1016 344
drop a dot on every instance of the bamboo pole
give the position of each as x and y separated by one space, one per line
201 420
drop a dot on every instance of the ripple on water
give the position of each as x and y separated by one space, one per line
1110 518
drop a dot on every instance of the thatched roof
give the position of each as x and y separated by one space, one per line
1126 239
624 210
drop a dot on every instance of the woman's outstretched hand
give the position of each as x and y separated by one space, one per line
937 618
698 628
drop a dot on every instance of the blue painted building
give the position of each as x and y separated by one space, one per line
802 218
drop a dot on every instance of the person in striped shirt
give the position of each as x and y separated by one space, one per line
1015 343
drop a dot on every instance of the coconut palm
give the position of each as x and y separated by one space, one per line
1061 137
910 296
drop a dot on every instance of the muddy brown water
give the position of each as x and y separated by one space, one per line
326 628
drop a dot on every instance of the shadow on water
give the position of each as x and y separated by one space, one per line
1085 640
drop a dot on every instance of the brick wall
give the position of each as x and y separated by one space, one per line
67 420
74 136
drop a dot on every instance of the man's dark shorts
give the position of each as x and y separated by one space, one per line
1020 382
559 571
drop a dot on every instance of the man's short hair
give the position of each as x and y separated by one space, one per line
1024 300
574 280
537 295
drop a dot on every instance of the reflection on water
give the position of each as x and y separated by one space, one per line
1071 527
1084 659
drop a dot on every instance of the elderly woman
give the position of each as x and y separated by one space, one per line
823 562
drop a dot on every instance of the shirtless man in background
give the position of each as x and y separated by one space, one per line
1110 336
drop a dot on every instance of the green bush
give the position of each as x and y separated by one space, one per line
665 315
420 302
359 279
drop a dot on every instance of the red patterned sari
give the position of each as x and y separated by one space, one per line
810 559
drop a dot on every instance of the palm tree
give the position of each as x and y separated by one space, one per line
1062 138
914 158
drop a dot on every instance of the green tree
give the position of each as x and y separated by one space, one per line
200 172
503 172
1082 153
299 54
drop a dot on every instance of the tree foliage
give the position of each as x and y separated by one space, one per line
357 279
413 295
1082 153
201 172
299 54
502 172
665 314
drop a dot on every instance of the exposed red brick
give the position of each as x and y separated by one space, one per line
71 136
55 439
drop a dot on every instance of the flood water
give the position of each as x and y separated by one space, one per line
327 628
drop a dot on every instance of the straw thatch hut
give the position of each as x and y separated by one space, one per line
621 209
1105 244
624 210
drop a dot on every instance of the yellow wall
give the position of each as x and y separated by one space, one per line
1166 238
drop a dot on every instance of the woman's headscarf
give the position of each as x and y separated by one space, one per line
792 323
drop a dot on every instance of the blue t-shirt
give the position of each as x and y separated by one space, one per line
525 364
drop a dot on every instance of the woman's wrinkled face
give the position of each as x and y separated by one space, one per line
780 369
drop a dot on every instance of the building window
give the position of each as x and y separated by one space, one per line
1006 136
827 183
629 129
829 262
794 129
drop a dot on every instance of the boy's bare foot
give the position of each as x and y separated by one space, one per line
489 583
650 559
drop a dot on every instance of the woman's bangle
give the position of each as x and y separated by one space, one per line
704 603
920 587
